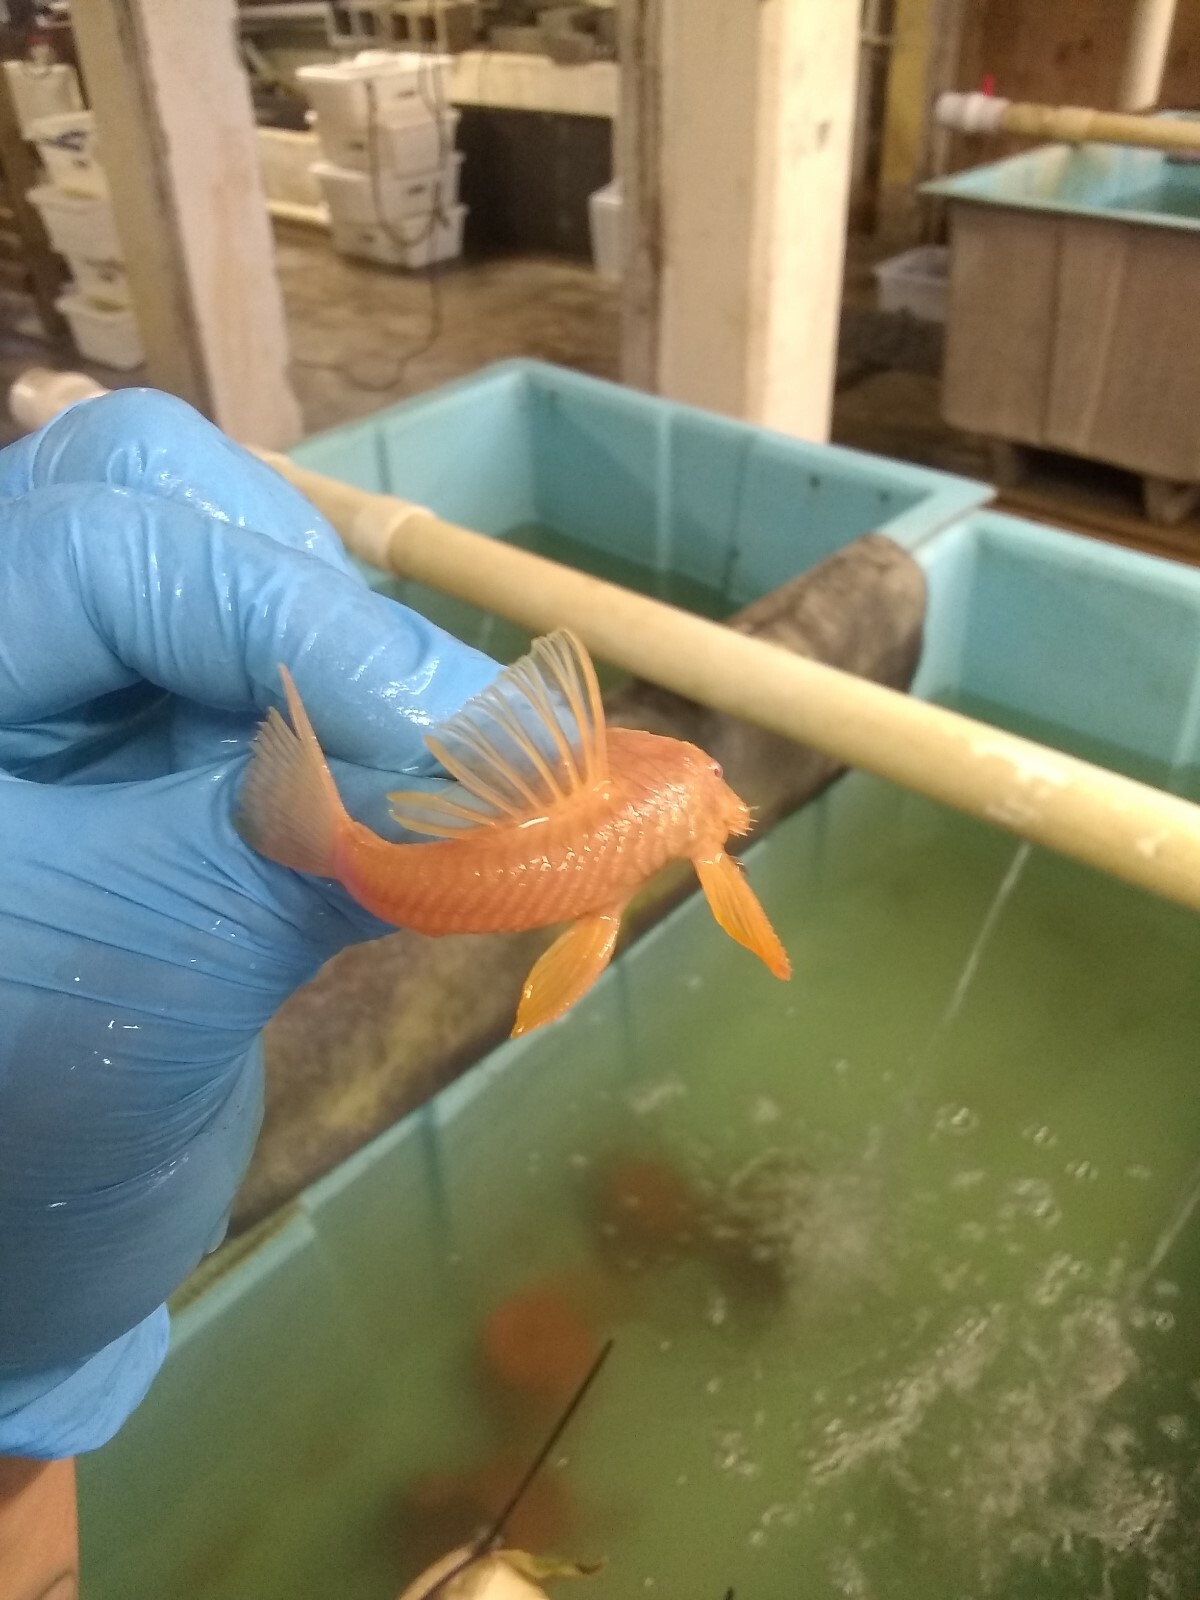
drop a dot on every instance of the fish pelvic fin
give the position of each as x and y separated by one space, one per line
289 808
520 749
567 970
737 910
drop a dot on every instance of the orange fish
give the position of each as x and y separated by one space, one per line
554 818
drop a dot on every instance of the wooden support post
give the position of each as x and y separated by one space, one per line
735 137
176 131
927 44
1146 55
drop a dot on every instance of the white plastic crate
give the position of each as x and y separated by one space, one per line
70 153
606 214
350 195
916 282
107 336
286 158
101 282
78 225
403 149
39 89
405 85
375 242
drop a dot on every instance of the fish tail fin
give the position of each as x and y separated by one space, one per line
289 808
567 970
736 908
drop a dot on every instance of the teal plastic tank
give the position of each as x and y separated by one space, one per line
701 510
930 1332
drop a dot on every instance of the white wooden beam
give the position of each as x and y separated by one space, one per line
176 130
735 133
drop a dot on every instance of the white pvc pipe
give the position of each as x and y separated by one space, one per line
1139 834
1146 57
40 393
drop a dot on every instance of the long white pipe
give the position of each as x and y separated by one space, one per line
1137 833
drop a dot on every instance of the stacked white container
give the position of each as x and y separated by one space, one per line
390 174
78 217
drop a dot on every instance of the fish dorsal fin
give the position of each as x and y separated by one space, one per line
529 742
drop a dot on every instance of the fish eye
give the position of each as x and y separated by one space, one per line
717 770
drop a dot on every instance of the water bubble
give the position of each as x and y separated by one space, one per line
717 1310
1083 1171
968 1180
955 1120
653 1096
1041 1136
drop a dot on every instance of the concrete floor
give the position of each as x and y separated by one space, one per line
364 337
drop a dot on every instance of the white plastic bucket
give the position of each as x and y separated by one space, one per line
405 84
103 283
916 282
78 225
350 195
404 149
70 153
49 90
375 242
606 215
107 336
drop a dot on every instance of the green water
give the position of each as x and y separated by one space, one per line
963 1146
1176 195
507 642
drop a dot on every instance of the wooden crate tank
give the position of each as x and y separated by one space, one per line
1074 306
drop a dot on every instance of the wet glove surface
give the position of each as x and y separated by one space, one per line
154 578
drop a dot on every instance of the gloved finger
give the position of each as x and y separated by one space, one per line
104 588
157 445
64 1412
57 749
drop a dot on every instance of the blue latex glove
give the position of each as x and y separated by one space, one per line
153 577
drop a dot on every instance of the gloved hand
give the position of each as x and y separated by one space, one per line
152 578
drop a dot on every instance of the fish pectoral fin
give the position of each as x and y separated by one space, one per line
736 908
567 970
533 738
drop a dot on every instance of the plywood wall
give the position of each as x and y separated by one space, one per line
1059 52
1070 51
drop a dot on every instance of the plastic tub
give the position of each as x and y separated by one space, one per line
350 195
412 242
286 158
405 85
101 282
400 150
324 1359
1075 277
104 334
630 477
69 150
916 282
46 89
606 215
78 225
